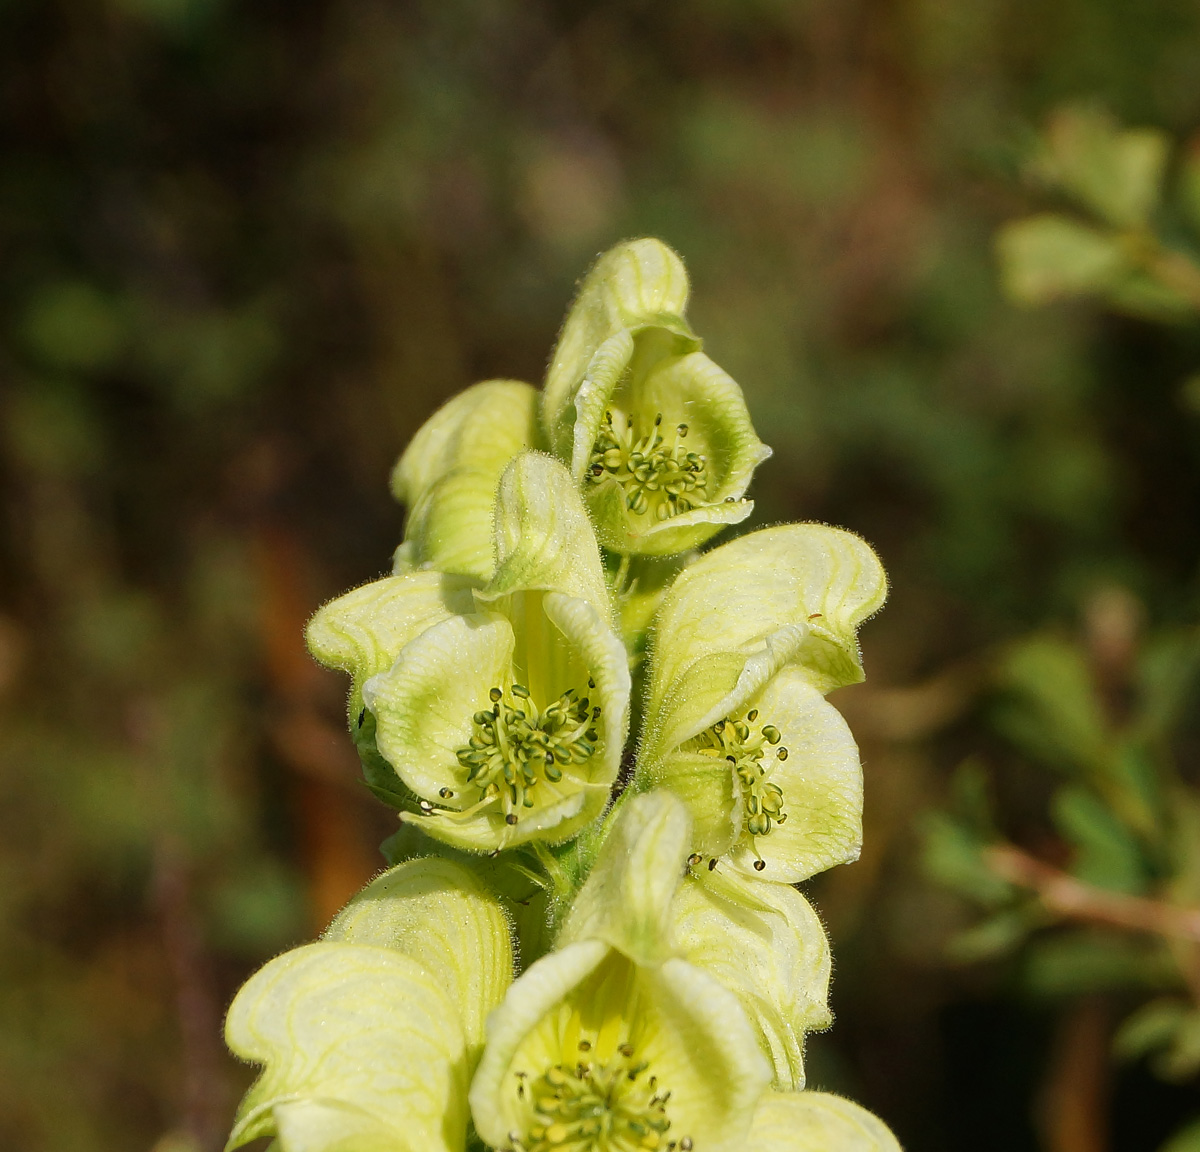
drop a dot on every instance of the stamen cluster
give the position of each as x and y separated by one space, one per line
606 1107
652 473
516 747
762 800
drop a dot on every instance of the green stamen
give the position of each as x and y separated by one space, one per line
654 475
516 748
610 1107
746 751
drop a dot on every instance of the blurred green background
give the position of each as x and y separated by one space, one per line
247 248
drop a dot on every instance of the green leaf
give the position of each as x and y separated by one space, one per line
1086 960
626 901
437 912
996 936
1105 853
764 943
952 855
1115 172
1055 714
1152 1026
1051 257
448 474
1187 1139
367 1036
816 1122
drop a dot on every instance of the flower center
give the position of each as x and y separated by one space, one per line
746 750
610 1107
653 473
517 748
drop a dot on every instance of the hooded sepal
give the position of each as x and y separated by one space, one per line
627 898
448 474
764 943
362 1042
816 1122
638 287
436 911
543 538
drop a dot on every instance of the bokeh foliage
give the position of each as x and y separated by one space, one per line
248 248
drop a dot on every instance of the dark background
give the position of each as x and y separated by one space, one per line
246 248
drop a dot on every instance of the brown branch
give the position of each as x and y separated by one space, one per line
1074 900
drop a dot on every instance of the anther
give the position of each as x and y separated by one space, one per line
759 865
445 793
511 818
782 753
682 429
712 864
520 691
494 695
686 1144
752 715
694 859
585 1045
816 616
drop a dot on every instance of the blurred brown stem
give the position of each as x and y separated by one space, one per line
1074 1100
196 1003
1076 900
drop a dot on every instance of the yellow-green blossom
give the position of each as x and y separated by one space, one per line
503 710
748 639
614 1043
657 436
369 1038
448 475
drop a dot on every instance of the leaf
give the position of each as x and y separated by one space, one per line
1105 853
1187 1139
1115 172
1051 257
952 855
1075 962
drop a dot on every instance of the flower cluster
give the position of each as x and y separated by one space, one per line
612 759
